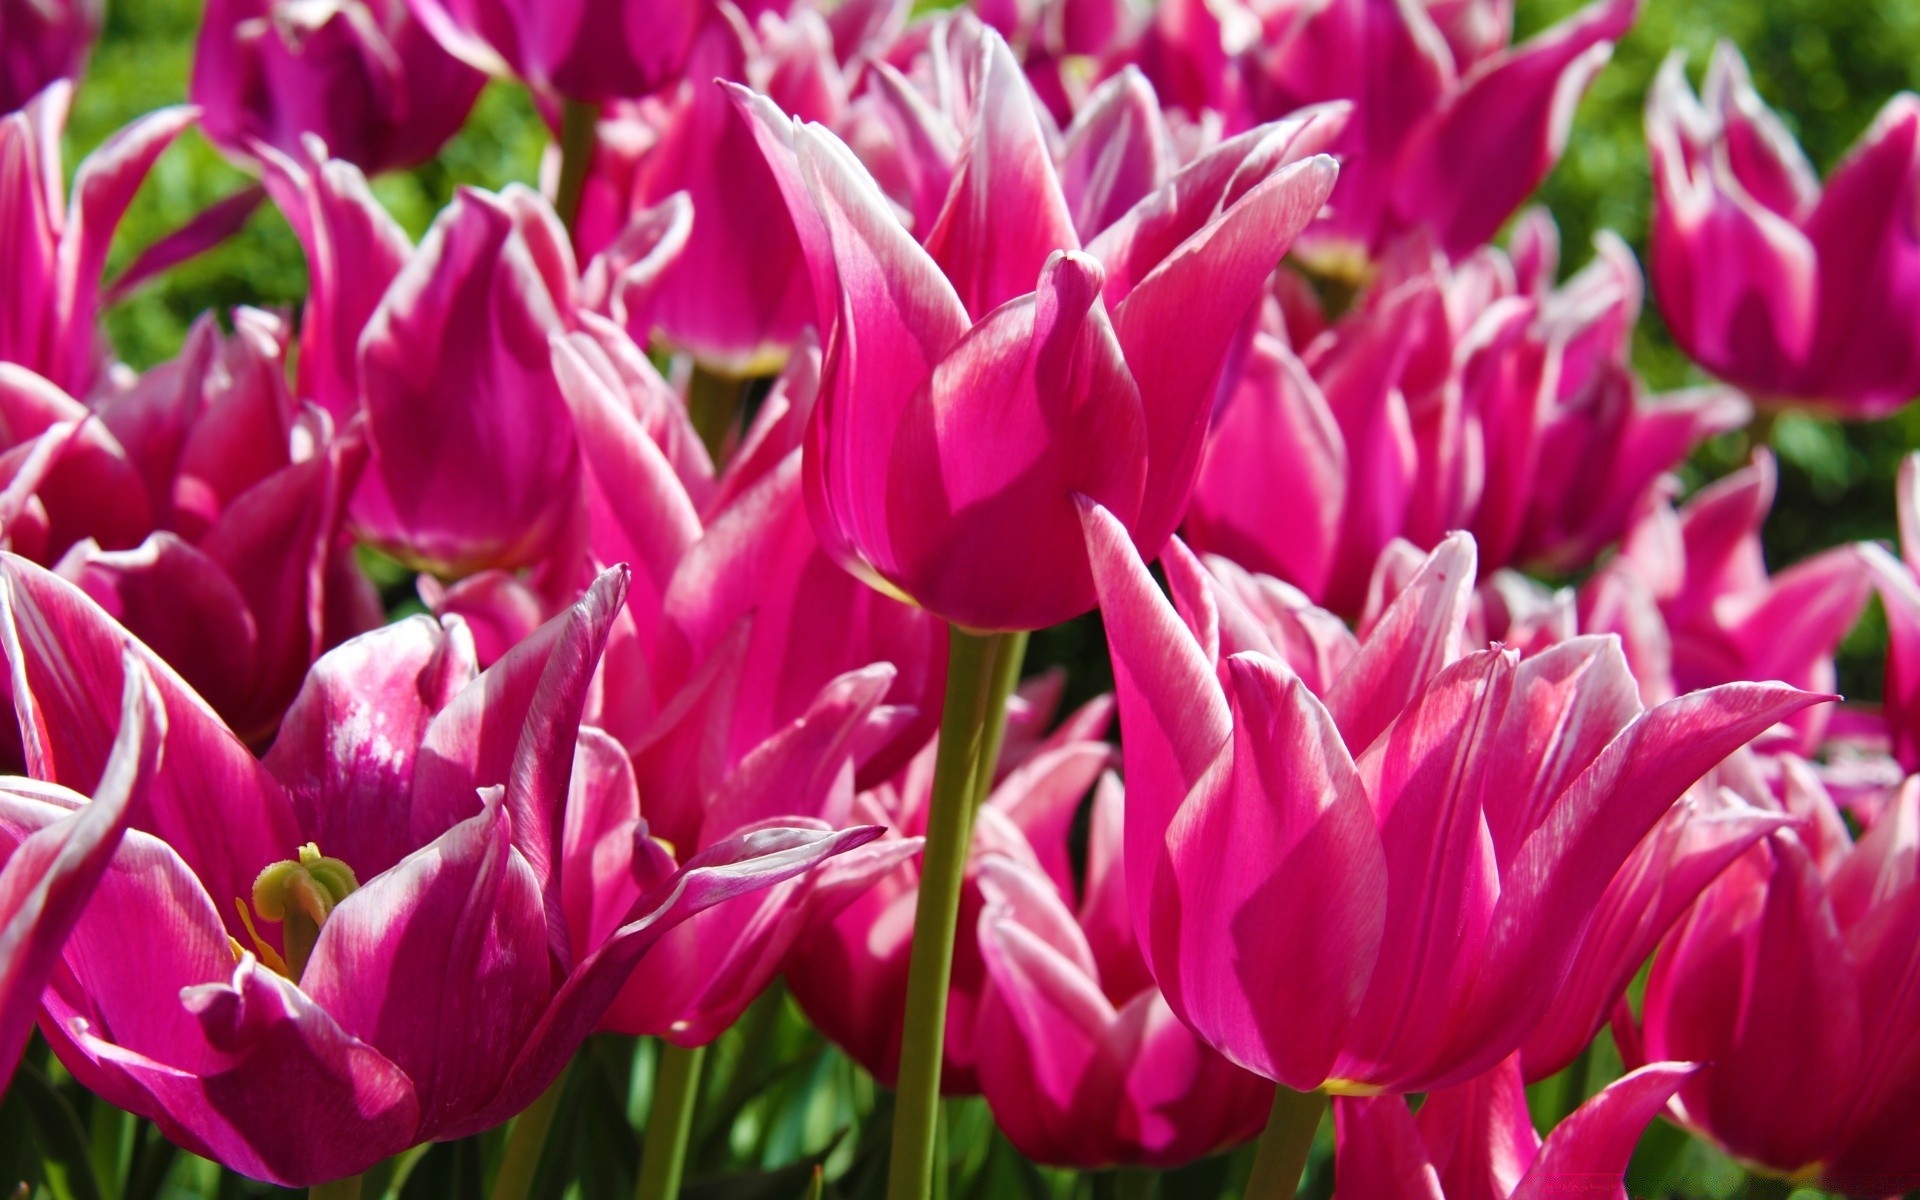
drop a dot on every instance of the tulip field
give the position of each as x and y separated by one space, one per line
1046 599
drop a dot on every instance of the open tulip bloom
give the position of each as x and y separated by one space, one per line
371 941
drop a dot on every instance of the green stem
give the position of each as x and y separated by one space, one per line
1134 1183
1573 1082
1281 1156
663 1153
525 1141
578 123
109 1145
971 673
1768 1187
712 400
1006 674
339 1189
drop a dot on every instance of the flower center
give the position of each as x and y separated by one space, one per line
300 893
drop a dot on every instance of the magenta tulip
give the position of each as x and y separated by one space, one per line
1793 980
48 876
1079 1056
1481 794
474 460
1727 617
362 75
380 913
1476 1140
45 40
1451 132
57 248
245 575
737 295
943 350
1474 396
1800 293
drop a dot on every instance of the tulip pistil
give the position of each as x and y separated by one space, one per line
300 893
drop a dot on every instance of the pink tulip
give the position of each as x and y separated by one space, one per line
1476 1141
245 575
1079 1056
46 40
474 460
433 1000
1481 794
851 976
363 75
1728 618
1454 397
585 50
57 249
1798 292
936 347
1793 981
1452 128
737 296
47 877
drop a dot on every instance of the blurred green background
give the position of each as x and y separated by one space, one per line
1827 65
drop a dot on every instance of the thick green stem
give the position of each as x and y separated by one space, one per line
339 1189
525 1142
1006 673
663 1153
971 676
1281 1156
712 400
577 132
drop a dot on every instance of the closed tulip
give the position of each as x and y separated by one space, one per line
976 382
1798 291
1435 835
585 50
362 75
1792 980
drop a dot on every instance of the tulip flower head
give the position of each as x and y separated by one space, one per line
379 912
1793 981
58 247
1439 828
978 379
1801 292
362 75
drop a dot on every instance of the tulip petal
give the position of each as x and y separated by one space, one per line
516 725
1420 633
733 868
1591 1147
1005 215
441 963
51 874
1296 965
214 804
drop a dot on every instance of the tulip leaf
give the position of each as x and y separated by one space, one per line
63 1140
